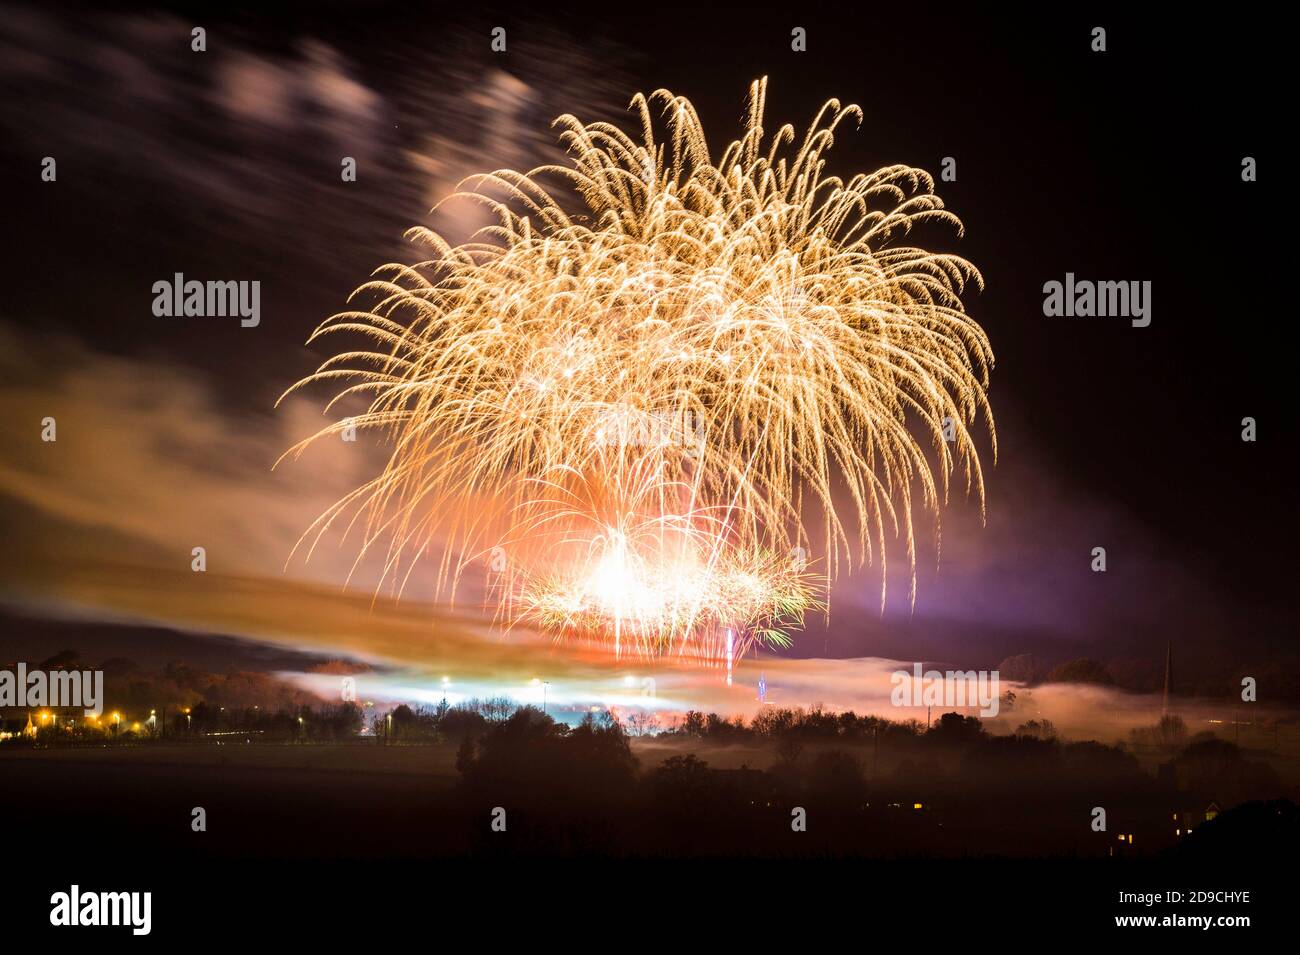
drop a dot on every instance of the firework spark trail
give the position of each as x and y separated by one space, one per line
648 400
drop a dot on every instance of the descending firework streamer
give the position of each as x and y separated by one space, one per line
643 393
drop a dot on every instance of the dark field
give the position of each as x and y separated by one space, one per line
396 826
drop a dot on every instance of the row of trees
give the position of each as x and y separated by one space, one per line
819 723
953 788
445 722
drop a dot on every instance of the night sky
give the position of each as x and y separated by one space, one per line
1123 165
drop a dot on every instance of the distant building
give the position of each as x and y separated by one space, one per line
1191 818
14 726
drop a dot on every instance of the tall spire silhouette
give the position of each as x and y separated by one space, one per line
1169 676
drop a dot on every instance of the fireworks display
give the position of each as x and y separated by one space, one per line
644 396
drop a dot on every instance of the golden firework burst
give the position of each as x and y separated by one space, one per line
639 392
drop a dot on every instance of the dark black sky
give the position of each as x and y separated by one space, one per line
1123 165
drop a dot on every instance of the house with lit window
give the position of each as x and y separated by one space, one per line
1187 820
